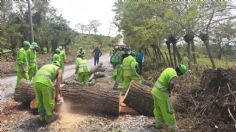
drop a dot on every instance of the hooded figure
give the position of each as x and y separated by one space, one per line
163 110
22 65
31 53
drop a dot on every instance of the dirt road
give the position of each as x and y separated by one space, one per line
7 85
15 118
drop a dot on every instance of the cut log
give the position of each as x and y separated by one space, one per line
97 68
24 92
125 109
139 98
99 98
99 75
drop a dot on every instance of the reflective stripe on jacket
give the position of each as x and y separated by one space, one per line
46 74
164 79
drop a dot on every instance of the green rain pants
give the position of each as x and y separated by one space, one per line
62 66
127 80
32 71
83 77
116 76
45 101
163 110
20 75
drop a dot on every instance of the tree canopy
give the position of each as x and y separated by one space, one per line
155 23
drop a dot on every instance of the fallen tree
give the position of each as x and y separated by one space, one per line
24 92
218 95
99 98
139 98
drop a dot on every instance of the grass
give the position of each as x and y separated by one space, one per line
224 63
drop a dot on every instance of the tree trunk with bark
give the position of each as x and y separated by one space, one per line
95 98
139 98
169 51
25 93
189 55
174 55
205 38
167 59
194 53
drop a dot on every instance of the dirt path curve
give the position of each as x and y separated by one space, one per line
7 85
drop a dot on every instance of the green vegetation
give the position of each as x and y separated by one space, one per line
50 29
89 41
171 31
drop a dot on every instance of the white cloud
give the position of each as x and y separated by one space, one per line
81 11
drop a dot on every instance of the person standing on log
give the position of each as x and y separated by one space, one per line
129 71
161 92
31 53
96 53
22 65
82 69
46 95
63 57
139 56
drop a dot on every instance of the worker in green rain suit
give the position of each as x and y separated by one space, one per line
82 69
57 57
116 74
22 63
129 72
163 110
114 59
31 53
63 57
81 51
46 94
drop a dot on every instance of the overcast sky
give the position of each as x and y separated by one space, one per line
81 11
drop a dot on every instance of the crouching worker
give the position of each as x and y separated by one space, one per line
46 94
82 69
163 110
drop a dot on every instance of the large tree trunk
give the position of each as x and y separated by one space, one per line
177 53
205 38
98 99
194 53
161 54
189 55
209 53
169 51
174 55
139 98
168 62
24 92
219 55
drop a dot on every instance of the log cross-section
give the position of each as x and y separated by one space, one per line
139 98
